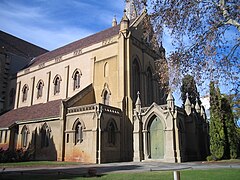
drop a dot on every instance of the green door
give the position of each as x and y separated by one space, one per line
156 139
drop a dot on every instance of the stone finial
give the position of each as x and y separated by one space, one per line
187 105
138 103
124 24
197 107
170 101
114 21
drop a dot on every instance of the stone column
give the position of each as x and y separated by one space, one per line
145 144
137 139
17 95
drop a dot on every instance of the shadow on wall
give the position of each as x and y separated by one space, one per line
42 146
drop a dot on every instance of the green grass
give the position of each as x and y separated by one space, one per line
218 174
37 163
60 163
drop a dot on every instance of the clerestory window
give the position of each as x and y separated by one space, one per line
39 89
25 92
76 80
56 83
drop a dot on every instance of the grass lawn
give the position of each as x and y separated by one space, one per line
37 164
218 174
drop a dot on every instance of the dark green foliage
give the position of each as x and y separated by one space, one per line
217 135
223 131
18 155
229 129
189 86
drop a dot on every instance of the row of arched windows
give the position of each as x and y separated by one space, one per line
44 134
78 127
56 82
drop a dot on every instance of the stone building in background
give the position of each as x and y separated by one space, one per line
15 54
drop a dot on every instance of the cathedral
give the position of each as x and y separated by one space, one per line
97 100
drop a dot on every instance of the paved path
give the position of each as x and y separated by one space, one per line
121 167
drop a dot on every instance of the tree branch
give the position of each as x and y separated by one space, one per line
225 13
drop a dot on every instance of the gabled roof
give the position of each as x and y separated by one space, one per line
85 42
19 47
38 111
81 98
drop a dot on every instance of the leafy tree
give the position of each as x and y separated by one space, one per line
217 135
223 131
206 37
230 130
189 87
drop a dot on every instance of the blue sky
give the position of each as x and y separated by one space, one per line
54 23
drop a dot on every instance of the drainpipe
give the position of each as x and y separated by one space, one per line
99 114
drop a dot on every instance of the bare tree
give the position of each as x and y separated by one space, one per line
206 38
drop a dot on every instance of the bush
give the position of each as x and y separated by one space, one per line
211 158
18 155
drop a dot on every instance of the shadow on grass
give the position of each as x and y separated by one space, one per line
62 172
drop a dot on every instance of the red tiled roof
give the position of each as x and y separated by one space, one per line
18 46
85 42
43 110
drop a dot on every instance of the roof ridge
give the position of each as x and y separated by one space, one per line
81 43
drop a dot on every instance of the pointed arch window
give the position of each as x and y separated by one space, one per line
24 133
76 79
106 93
78 133
111 130
45 135
149 86
135 79
39 89
106 98
25 92
56 83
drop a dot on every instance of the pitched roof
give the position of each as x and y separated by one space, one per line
79 44
19 47
43 110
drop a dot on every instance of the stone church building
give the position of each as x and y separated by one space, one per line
97 100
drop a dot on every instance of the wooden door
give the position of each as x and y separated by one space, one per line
156 139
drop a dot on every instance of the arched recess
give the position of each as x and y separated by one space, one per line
76 76
111 130
136 78
106 93
155 137
78 127
106 70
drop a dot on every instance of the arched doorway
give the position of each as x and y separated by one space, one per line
156 138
